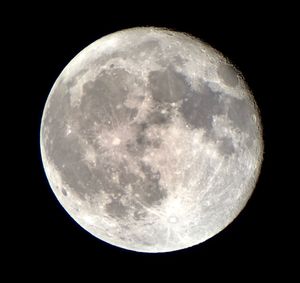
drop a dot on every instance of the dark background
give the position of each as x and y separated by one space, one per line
253 37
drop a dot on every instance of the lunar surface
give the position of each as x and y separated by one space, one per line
151 140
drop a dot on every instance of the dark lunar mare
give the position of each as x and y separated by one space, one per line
168 85
144 191
99 103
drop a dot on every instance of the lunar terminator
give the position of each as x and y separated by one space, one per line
151 140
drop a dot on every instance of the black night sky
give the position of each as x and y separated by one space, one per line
48 238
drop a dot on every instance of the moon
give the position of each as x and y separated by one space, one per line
151 140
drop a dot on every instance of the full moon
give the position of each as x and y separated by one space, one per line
151 140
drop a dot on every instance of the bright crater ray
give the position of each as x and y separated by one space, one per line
151 140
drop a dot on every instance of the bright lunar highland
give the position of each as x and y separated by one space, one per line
151 140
